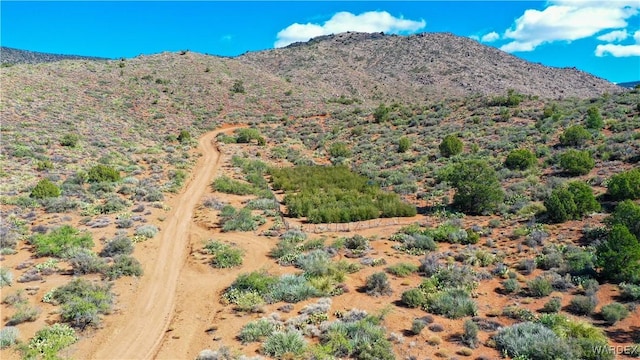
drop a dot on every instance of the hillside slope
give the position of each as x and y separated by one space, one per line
377 66
17 56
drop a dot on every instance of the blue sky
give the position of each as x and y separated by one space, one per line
598 36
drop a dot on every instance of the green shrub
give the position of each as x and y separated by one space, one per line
571 201
49 340
339 149
83 301
102 173
224 256
246 135
377 284
184 136
619 256
70 140
629 292
533 341
582 305
450 146
238 87
414 298
539 287
146 231
417 325
291 289
256 331
285 345
477 186
8 336
575 135
362 338
84 261
511 286
124 265
404 144
120 245
614 312
552 306
576 162
6 277
594 119
470 334
627 213
585 340
452 303
625 185
233 220
520 159
227 185
59 240
24 313
45 189
402 269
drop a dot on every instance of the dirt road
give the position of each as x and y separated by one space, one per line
141 326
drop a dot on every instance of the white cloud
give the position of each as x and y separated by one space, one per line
568 20
490 37
617 35
617 50
372 21
474 37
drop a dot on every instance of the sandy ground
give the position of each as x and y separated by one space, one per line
136 332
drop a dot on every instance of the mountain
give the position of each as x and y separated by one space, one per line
629 84
16 56
419 66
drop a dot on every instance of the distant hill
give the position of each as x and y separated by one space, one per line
16 56
418 66
629 85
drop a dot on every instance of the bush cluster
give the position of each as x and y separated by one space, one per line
625 185
102 173
82 302
520 159
571 201
450 146
224 256
576 162
477 186
45 189
329 194
60 240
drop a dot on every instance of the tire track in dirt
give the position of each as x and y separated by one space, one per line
143 323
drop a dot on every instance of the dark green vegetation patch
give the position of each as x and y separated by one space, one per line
333 194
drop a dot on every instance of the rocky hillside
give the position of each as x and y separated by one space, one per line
16 56
378 66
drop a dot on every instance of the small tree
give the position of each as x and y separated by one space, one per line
619 256
571 201
450 146
477 186
594 119
627 213
520 159
625 185
575 135
381 114
100 173
404 144
45 189
576 162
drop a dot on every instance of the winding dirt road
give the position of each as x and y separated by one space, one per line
140 329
